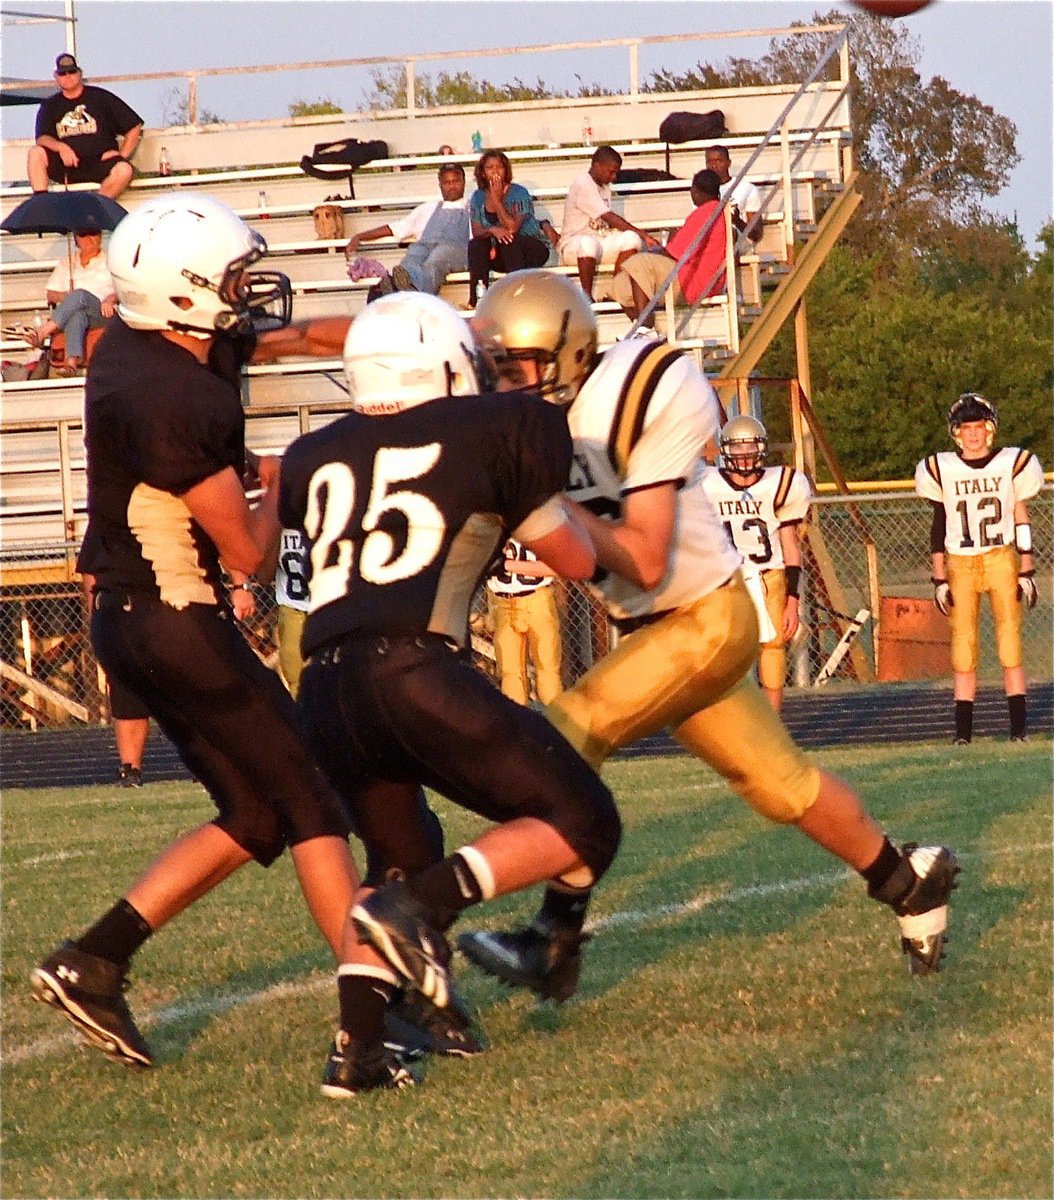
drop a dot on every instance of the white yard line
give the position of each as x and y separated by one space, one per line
209 1006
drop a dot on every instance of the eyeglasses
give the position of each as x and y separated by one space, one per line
68 71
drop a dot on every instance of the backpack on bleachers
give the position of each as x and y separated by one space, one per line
335 160
681 127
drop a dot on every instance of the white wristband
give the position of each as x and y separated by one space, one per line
1023 538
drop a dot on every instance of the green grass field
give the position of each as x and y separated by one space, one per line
746 1024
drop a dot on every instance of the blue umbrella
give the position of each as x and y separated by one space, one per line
63 212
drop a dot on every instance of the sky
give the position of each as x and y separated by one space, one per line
1000 51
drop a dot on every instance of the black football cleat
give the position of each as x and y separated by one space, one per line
548 961
395 924
353 1068
414 1026
923 912
129 776
89 992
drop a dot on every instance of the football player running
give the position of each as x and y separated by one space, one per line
981 541
165 437
761 508
670 579
404 504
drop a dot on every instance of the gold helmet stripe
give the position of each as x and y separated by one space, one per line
637 390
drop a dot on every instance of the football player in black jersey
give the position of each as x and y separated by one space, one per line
164 431
404 504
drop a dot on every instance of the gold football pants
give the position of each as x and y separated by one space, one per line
290 631
772 661
691 672
527 624
969 577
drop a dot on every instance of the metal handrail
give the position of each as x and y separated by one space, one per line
836 45
409 61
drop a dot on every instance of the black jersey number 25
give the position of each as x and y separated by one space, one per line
379 562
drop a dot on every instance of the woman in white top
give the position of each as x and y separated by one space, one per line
82 292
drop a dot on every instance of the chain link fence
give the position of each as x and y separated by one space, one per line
866 556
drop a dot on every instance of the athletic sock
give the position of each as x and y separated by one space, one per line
963 720
457 882
117 935
1018 716
890 877
364 992
564 907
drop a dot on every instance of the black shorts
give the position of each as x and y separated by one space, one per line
125 705
232 721
92 170
385 715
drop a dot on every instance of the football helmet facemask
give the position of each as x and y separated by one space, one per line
744 445
540 317
408 348
972 407
181 263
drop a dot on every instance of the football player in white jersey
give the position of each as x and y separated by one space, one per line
761 508
981 541
292 597
670 579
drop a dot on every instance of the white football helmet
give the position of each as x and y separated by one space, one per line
180 262
744 445
408 348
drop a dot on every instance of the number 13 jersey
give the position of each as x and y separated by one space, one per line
979 495
753 514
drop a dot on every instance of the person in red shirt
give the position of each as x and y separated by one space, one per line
641 275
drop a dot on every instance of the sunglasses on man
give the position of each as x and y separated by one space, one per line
68 71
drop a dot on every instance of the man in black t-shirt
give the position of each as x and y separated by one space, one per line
164 433
84 134
404 504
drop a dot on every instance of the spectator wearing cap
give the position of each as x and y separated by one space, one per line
81 290
84 134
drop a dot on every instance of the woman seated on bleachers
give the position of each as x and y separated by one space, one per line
506 235
82 293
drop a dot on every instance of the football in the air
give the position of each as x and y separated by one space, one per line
891 8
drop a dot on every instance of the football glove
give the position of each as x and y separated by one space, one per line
1026 589
942 595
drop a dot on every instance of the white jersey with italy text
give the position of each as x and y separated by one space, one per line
642 419
752 514
291 588
979 496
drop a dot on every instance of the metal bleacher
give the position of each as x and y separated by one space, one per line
798 169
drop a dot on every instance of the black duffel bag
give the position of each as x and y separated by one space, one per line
335 160
681 127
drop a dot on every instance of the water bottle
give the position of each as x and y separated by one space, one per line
164 163
477 142
587 132
262 198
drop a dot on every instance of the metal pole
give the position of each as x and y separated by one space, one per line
71 29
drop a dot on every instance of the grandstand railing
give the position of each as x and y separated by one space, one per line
413 130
